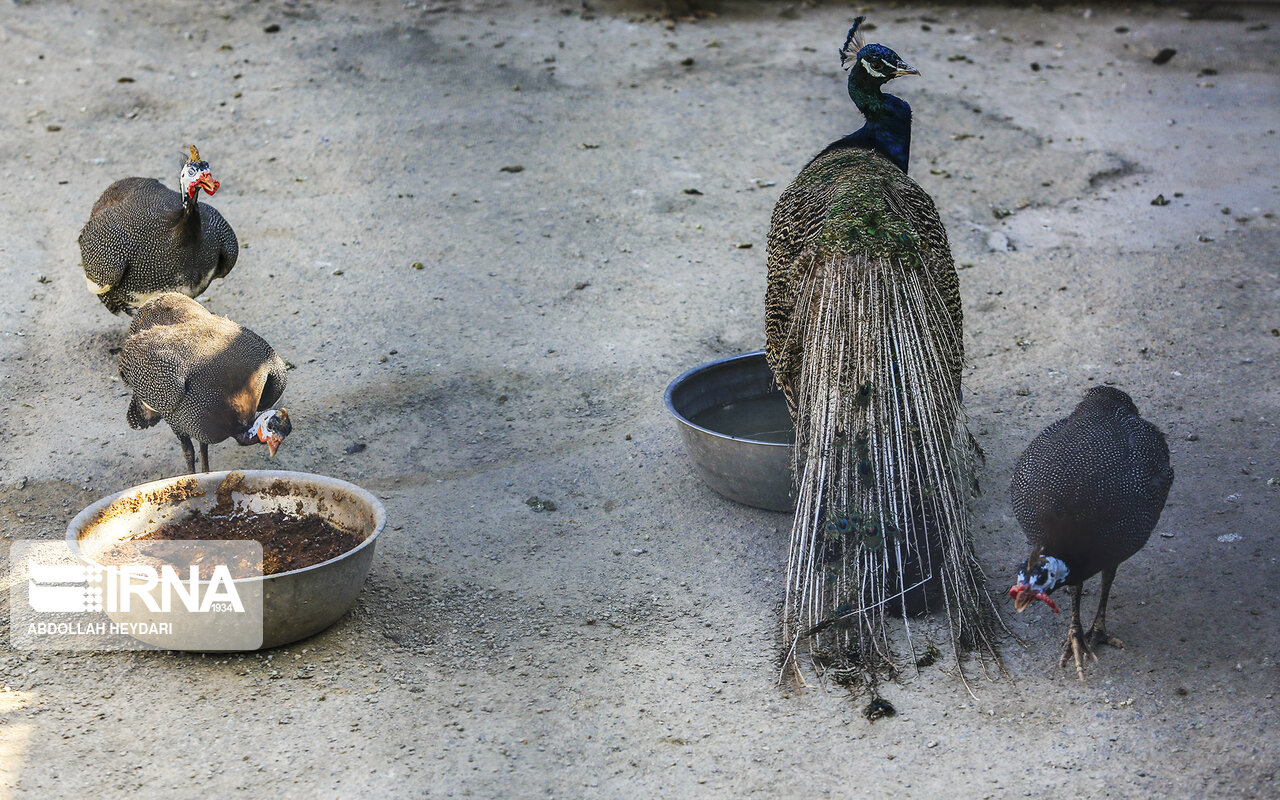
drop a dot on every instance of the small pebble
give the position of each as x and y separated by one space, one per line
1164 56
539 505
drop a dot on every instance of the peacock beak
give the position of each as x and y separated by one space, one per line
905 69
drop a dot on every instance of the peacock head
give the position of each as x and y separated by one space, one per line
1037 578
271 427
873 65
195 176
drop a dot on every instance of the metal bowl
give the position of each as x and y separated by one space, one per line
735 425
295 604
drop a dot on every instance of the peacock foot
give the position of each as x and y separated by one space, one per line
1077 647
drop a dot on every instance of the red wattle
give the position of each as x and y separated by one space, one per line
1048 601
1019 589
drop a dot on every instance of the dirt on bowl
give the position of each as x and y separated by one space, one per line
288 541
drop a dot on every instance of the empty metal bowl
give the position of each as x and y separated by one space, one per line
295 604
736 427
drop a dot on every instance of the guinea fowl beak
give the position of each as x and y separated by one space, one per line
206 182
273 444
1023 595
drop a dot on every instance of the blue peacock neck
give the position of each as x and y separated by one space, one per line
888 126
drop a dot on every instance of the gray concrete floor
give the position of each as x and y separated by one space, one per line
624 645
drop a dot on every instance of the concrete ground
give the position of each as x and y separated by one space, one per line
487 235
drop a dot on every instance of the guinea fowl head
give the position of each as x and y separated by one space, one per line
196 176
270 428
1037 578
874 65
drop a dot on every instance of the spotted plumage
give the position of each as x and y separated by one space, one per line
863 327
143 239
208 377
1088 492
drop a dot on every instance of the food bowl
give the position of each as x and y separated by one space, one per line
736 428
295 604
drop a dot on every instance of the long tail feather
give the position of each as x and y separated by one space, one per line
884 466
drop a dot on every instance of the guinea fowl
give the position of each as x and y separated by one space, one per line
1088 491
209 378
863 334
143 239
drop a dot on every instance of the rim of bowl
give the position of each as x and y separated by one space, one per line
379 511
684 377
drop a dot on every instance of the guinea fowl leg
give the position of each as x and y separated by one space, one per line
204 466
1076 644
1098 632
189 452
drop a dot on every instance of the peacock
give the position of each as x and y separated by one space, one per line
863 335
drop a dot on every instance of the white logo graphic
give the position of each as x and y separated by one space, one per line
176 595
70 589
64 589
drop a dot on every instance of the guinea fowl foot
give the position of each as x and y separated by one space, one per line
1097 636
1077 647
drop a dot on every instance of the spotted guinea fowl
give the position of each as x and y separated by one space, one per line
143 239
209 378
863 333
1088 491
